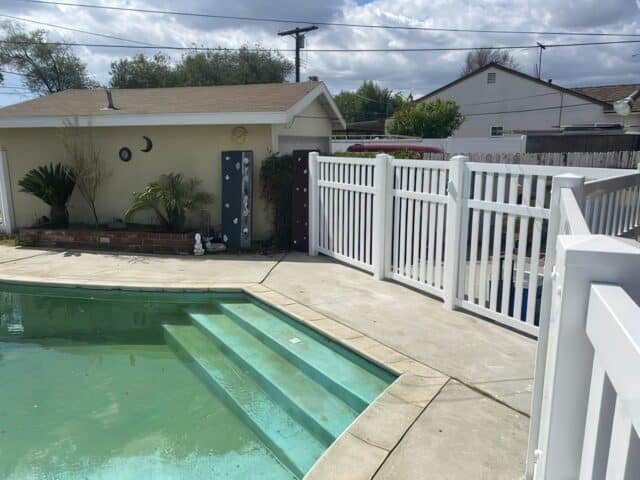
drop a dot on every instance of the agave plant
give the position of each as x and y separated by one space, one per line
171 198
53 184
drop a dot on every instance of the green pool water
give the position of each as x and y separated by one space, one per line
130 385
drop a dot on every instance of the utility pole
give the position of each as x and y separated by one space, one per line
540 48
297 33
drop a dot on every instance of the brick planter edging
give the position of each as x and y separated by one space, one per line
119 240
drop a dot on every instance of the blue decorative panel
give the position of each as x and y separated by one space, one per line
237 194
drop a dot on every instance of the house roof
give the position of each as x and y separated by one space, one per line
255 103
522 75
611 93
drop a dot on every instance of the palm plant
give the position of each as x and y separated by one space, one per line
171 198
53 184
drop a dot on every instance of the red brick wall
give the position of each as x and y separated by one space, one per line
137 242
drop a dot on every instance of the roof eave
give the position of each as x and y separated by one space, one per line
133 120
319 92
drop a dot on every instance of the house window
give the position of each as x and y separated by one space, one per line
491 77
496 131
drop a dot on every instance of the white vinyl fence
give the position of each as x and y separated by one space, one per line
585 417
6 209
474 234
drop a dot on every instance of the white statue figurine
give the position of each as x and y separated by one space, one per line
198 249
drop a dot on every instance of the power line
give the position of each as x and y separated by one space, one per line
323 50
73 29
330 24
509 99
527 110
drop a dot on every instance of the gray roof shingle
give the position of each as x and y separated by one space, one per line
268 97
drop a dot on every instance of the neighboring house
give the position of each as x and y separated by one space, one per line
497 100
189 127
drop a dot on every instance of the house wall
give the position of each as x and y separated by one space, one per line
310 129
506 95
194 151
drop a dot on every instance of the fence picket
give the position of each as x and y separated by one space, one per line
508 249
432 229
522 250
417 224
408 267
484 251
534 259
442 186
497 243
473 249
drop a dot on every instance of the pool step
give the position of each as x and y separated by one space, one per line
343 374
290 442
322 412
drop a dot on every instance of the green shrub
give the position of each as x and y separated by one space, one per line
171 198
53 184
276 178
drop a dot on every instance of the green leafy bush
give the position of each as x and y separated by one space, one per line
276 178
171 198
437 119
53 184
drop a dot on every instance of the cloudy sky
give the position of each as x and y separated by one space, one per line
415 72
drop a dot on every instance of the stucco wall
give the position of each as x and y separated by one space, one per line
506 95
310 129
192 150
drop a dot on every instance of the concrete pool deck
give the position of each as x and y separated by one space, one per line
474 422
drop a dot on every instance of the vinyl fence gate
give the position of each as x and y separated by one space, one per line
473 234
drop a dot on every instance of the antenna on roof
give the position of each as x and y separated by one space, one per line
110 105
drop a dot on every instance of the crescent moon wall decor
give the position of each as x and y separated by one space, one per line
148 144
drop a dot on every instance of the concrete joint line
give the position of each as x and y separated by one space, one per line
410 427
282 257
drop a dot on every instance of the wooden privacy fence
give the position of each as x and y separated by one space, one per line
473 234
585 417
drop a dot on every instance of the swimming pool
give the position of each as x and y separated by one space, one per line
113 384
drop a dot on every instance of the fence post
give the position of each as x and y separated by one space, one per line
576 184
379 215
6 205
455 205
314 214
581 261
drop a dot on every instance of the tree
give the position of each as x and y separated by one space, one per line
46 67
437 119
86 162
480 57
142 72
369 102
202 69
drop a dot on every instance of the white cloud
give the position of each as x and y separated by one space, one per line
418 72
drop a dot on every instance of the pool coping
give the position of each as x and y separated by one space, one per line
363 447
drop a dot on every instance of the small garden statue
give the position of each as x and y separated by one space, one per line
198 249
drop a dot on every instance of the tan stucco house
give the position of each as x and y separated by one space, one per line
188 128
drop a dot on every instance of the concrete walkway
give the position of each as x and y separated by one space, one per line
474 428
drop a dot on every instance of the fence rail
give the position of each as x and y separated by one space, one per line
477 235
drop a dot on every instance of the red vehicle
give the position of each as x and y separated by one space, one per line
390 148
